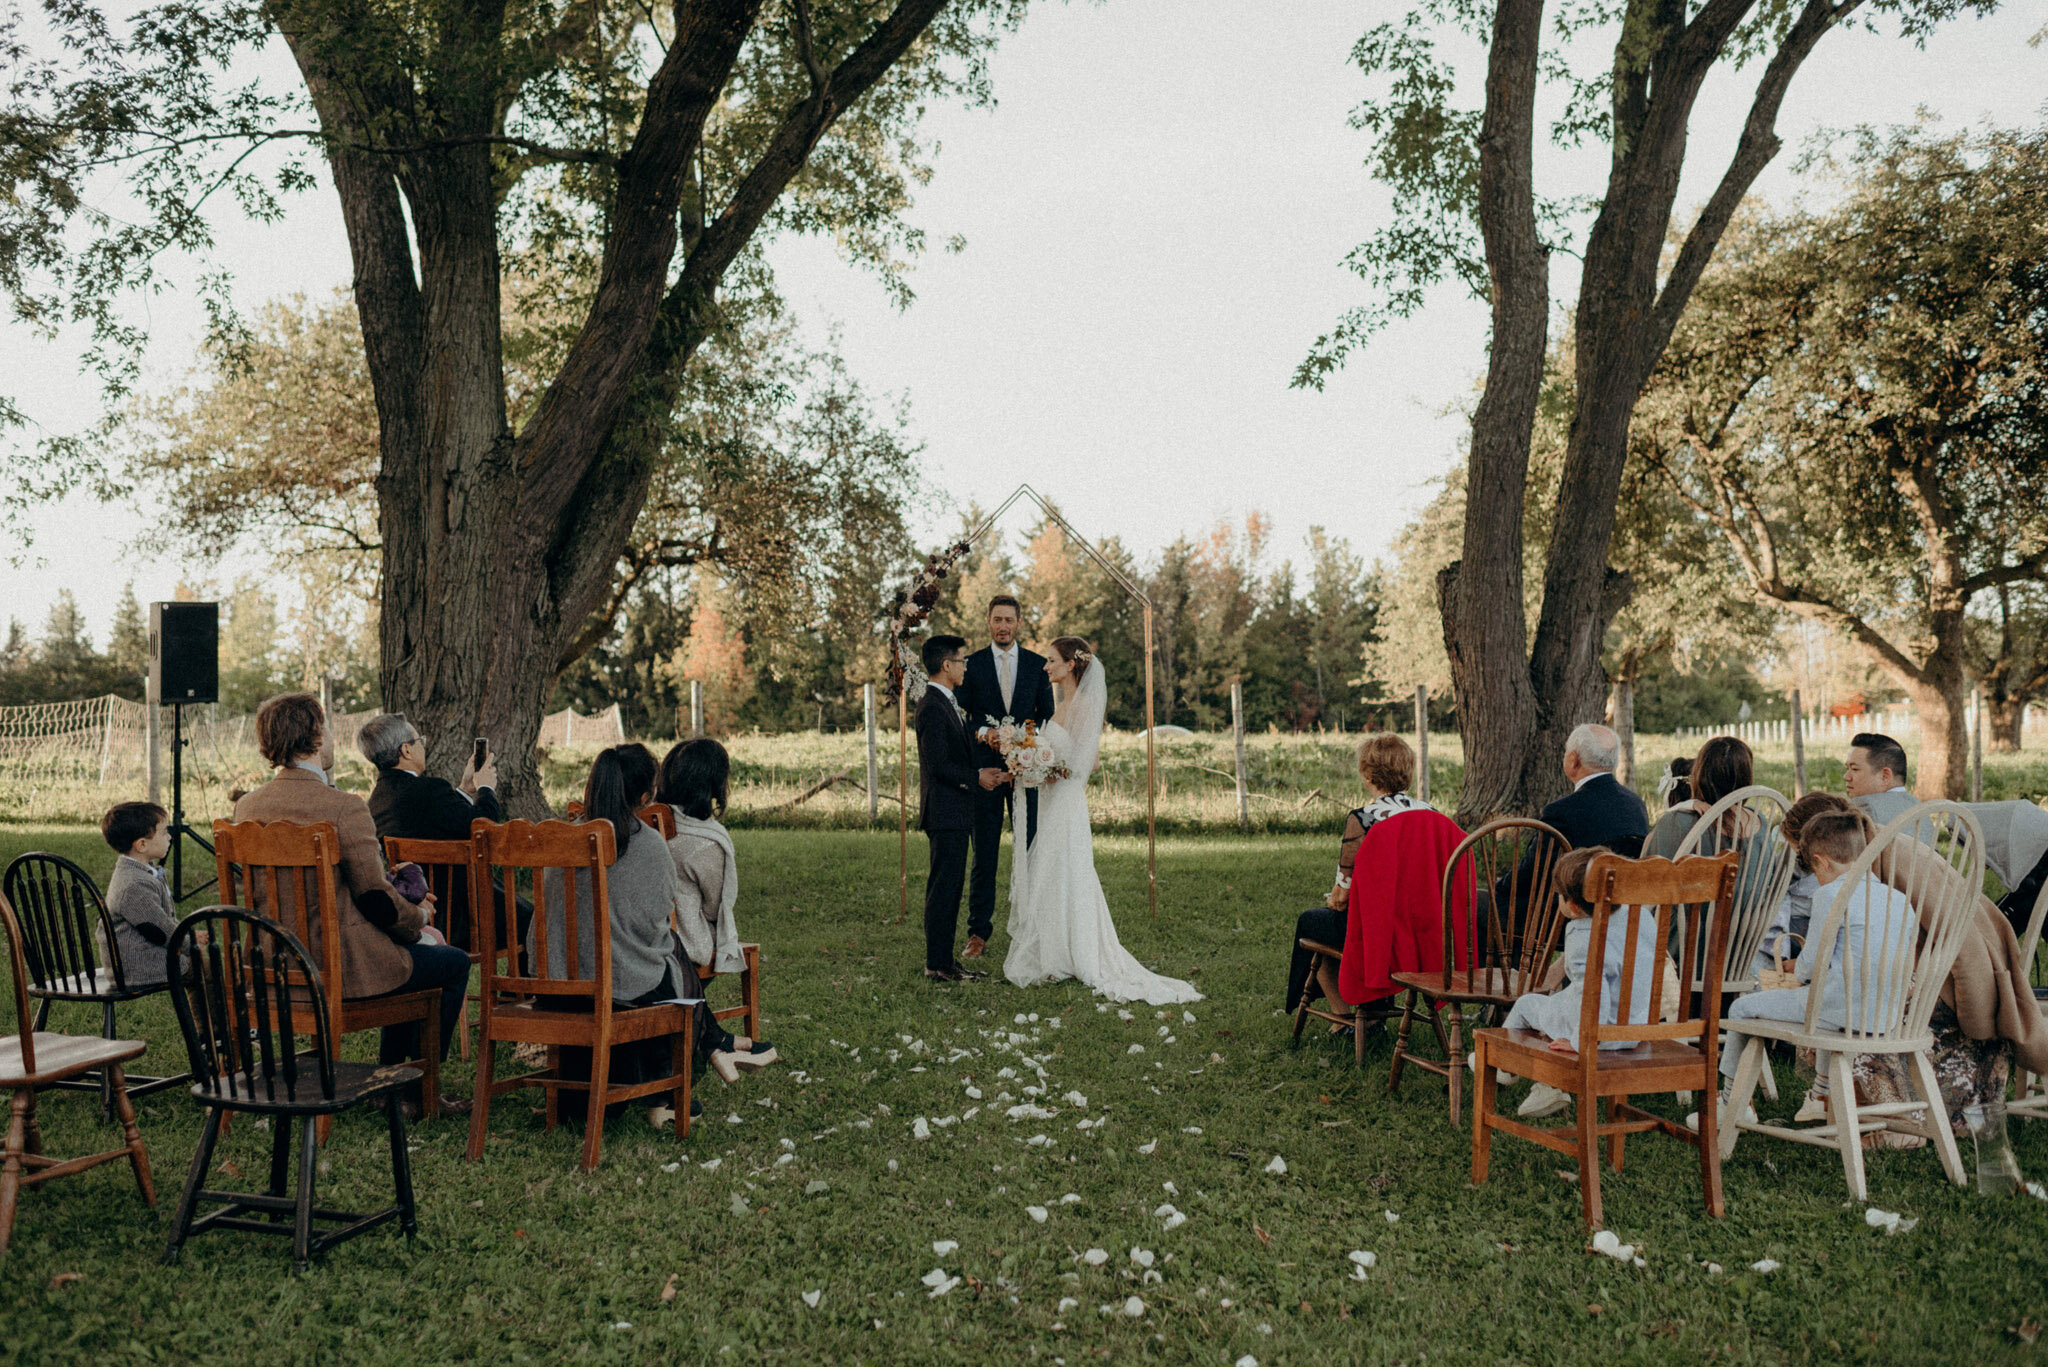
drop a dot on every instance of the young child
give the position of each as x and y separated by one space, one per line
1556 1014
1877 934
144 914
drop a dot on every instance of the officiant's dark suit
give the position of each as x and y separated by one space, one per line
948 784
1030 699
422 807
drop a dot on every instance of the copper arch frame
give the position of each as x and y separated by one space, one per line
1129 586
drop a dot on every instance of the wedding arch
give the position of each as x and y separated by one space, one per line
914 605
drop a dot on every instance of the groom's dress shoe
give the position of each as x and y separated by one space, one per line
975 945
969 975
942 975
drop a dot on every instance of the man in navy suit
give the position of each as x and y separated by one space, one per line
1003 680
947 789
1598 810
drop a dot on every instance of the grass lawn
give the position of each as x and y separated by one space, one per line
807 1178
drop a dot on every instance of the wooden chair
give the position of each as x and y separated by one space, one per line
446 865
64 924
1503 870
248 988
2029 1089
35 1059
513 1012
662 817
1677 1056
290 873
1891 988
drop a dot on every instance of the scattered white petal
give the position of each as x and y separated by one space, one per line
1020 1018
935 1276
1247 1361
1037 1213
1278 1167
1891 1222
1606 1241
1176 1220
1039 1141
1363 1257
622 1324
734 1119
1188 1017
943 1287
1642 1262
1095 1257
789 1146
1164 1211
740 1206
1169 1188
1028 1111
920 1129
1135 1049
1714 1268
1165 1030
1150 1147
1053 1022
1765 1265
1152 1278
970 1113
711 1165
1124 1015
974 1093
1191 1129
815 1186
1142 1257
1134 1307
892 1165
670 1167
782 1159
1265 1328
811 1298
2037 1191
1067 1303
1070 1199
944 1246
1075 1099
1392 1218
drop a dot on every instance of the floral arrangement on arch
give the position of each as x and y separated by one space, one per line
909 611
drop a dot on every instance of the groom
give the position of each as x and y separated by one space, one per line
1003 680
947 789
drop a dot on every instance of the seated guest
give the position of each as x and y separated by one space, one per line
1874 922
1385 784
1874 776
695 781
1676 785
1724 765
138 899
647 959
1395 921
381 950
1557 1014
1795 914
411 804
1598 810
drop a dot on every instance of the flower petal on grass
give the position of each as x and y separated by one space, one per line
811 1298
1037 1214
1095 1257
944 1246
1070 1199
1765 1265
1134 1307
1135 1049
1392 1218
1278 1167
1075 1099
1150 1147
921 1128
1143 1257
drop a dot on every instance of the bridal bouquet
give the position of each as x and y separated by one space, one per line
1031 761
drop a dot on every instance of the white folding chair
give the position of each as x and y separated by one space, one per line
1891 989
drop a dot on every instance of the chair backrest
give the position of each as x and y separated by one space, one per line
579 853
289 873
244 987
1912 932
1631 894
446 865
2030 942
63 922
24 1015
1504 871
659 815
1749 822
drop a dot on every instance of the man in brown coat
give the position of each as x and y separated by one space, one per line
381 949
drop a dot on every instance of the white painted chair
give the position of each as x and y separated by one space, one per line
1768 865
2030 1090
1891 992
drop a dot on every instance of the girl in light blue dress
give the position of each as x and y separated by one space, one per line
1556 1014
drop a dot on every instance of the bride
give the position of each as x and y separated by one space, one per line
1059 921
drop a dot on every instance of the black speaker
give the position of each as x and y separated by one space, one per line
184 652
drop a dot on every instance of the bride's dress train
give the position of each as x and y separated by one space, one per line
1060 925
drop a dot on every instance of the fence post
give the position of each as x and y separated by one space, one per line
1977 745
696 708
1798 747
1244 815
1422 741
867 708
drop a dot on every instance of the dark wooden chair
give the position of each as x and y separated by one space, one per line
35 1059
662 817
446 865
249 989
1677 1056
516 1009
290 873
64 925
1503 870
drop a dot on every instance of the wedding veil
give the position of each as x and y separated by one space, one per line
1085 719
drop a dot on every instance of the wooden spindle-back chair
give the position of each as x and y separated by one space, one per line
65 925
1749 822
565 999
291 874
1891 985
247 989
1663 1056
446 866
1502 872
33 1059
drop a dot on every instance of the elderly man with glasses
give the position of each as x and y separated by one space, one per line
413 805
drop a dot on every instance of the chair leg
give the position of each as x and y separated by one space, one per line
10 1171
1482 1112
1740 1090
1401 1040
430 1101
1358 1037
1454 1047
480 1105
689 1070
600 1083
1848 1135
1937 1116
106 1074
750 990
1300 1014
1614 1140
462 1030
1586 1112
138 1153
554 1094
1769 1077
401 1168
280 1159
302 1229
195 1178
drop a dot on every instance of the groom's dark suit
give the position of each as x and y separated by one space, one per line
947 786
982 695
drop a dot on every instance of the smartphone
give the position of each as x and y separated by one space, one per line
480 755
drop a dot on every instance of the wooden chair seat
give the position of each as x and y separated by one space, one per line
1490 986
353 1082
531 1023
1528 1054
97 985
61 1056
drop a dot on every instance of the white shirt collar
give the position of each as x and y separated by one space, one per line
314 770
1598 773
1010 649
945 690
1898 788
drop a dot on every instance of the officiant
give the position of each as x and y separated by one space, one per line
1003 680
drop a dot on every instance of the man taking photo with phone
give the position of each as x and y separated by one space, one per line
409 803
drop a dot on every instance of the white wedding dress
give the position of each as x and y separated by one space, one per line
1060 925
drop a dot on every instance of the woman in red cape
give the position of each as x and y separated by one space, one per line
1395 918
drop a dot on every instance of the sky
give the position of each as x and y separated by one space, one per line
1156 212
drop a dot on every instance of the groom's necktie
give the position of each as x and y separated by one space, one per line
1006 670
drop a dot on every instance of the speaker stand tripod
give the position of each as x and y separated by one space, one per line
179 828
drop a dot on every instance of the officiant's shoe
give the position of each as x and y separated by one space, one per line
966 974
975 945
942 975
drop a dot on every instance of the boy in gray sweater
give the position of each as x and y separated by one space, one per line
137 896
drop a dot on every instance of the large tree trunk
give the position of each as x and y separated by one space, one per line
1480 597
1943 763
2008 719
